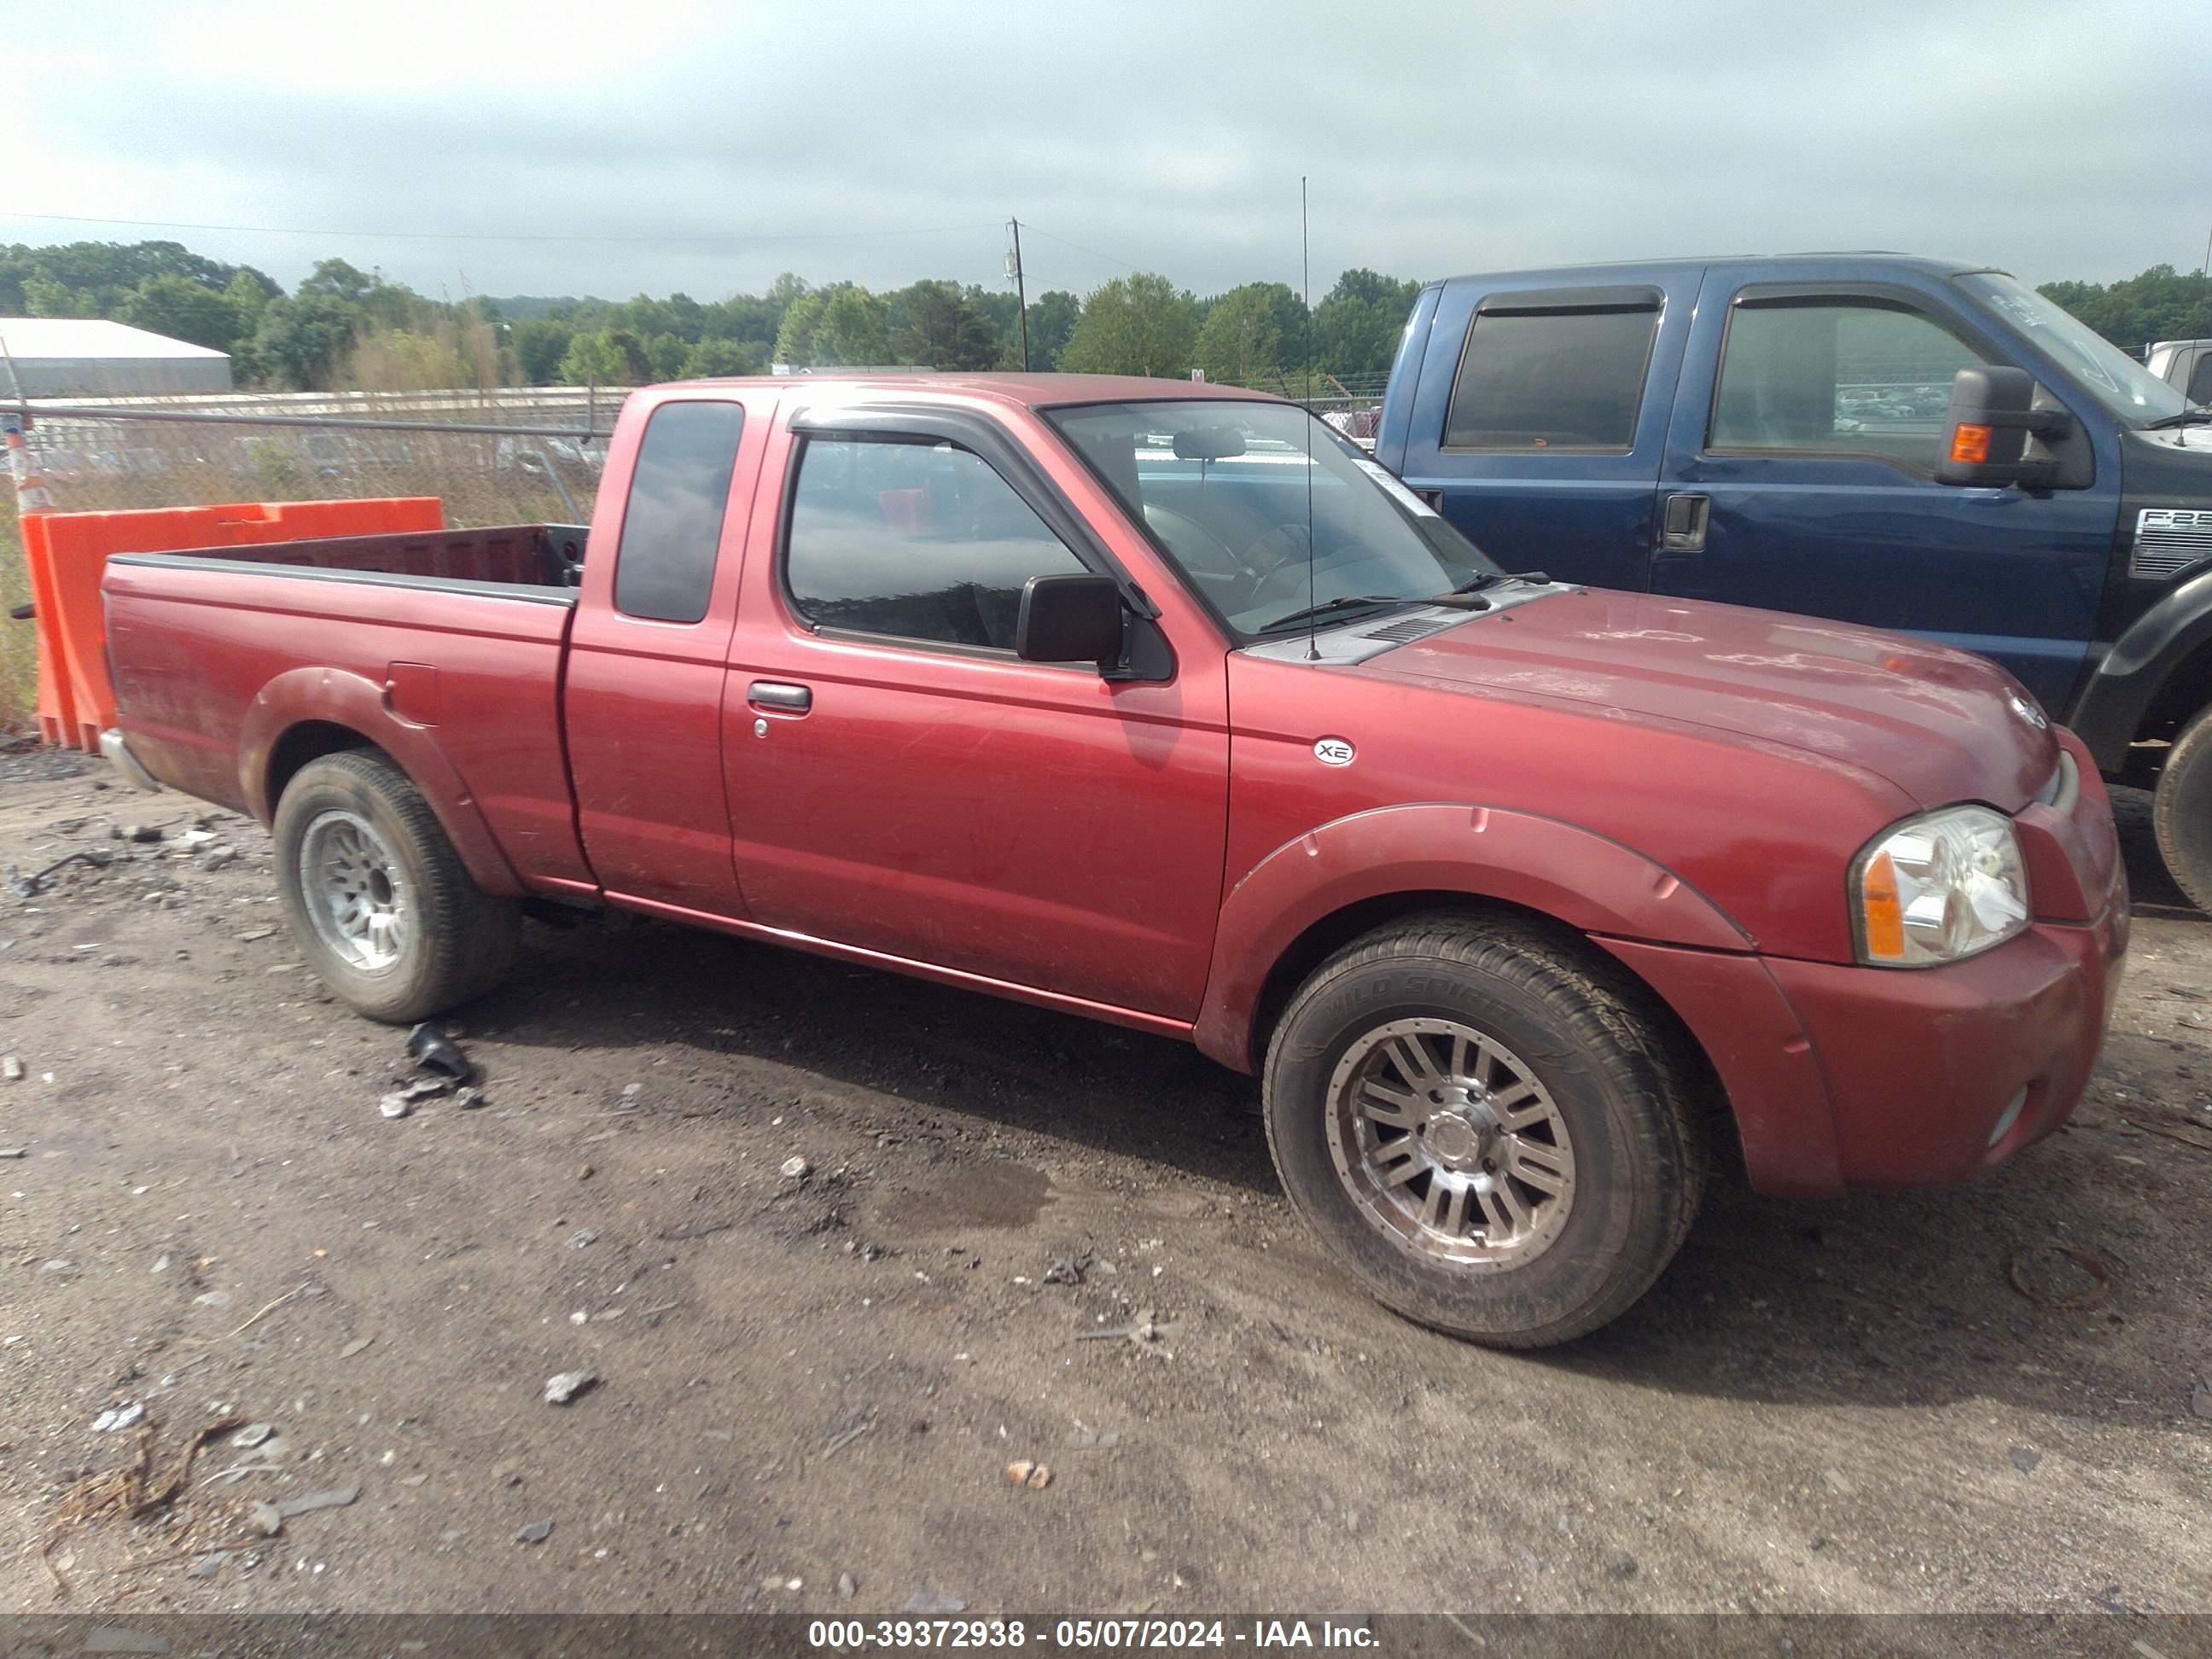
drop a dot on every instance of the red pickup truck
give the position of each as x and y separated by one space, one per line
1162 704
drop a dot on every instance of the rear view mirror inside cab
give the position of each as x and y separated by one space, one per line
1209 443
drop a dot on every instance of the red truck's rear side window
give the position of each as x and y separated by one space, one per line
664 564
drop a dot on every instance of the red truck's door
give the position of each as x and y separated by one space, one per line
901 782
643 695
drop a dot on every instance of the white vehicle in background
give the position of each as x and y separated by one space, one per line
2184 363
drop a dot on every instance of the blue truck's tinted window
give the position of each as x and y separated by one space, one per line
1566 380
1837 375
917 541
673 523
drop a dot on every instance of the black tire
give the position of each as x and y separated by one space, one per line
1584 1031
2181 810
460 941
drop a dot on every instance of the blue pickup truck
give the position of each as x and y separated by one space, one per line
1919 445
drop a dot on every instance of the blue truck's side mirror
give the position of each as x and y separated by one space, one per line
1987 427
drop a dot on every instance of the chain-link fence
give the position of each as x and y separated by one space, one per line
506 457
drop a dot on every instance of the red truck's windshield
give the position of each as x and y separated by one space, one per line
1223 488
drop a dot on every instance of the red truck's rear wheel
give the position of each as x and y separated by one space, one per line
1488 1125
377 897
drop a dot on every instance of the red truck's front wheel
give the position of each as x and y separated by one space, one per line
377 897
1489 1125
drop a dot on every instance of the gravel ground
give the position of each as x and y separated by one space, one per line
809 1387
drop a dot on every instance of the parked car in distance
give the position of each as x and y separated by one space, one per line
1904 443
1165 705
2184 363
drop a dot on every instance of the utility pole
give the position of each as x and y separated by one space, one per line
1021 294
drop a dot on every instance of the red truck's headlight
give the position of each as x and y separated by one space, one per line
1947 885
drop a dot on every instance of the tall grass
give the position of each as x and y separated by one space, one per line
98 466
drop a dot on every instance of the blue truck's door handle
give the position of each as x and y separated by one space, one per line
1682 523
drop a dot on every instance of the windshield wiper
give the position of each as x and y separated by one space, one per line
2185 417
1491 578
1344 602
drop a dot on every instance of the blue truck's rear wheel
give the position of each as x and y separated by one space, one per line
2181 811
1488 1124
379 900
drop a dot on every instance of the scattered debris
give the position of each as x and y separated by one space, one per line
2036 1286
562 1388
12 1069
1067 1269
933 1602
584 1172
337 1497
704 1229
124 1489
2025 1458
795 1169
536 1531
208 1565
847 1590
356 1345
468 1099
582 1238
32 886
219 856
268 1520
1035 1476
12 1152
252 1435
122 1416
1082 1442
144 834
401 1102
1141 1328
434 1051
846 1436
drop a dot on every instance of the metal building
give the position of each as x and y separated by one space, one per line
88 357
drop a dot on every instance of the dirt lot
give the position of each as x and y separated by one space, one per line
815 1384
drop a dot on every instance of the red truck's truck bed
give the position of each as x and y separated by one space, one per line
206 645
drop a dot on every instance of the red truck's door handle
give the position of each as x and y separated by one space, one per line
777 693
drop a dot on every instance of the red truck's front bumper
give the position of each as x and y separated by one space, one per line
1843 1076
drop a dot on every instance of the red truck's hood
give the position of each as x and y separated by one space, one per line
1942 725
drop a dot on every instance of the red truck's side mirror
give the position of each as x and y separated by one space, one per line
1072 618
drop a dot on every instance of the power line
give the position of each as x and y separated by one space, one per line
500 236
1055 235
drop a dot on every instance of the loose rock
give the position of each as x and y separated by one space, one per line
795 1169
268 1520
847 1590
933 1602
536 1531
565 1386
219 856
122 1416
12 1151
12 1069
2025 1458
1035 1476
337 1497
582 1238
356 1345
252 1435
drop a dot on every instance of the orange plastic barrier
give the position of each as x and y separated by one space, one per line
67 552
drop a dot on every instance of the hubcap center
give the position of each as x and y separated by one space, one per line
1455 1142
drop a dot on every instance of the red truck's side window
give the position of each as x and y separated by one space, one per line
914 541
664 565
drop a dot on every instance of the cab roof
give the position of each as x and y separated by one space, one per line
1619 268
1026 390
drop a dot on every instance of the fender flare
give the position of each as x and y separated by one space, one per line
2125 681
1576 876
336 697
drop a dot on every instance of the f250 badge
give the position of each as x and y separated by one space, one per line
1333 751
2027 711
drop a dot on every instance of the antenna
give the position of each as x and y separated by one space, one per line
1021 291
1305 285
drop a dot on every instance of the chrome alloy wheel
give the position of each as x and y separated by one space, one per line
1448 1144
355 891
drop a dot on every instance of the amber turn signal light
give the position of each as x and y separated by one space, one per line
1970 444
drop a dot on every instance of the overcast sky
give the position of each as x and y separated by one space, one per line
634 145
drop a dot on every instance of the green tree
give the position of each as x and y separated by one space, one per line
302 341
248 291
183 310
1239 344
713 358
44 297
539 345
944 329
663 356
1140 325
2158 304
1358 325
595 356
1052 320
842 325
